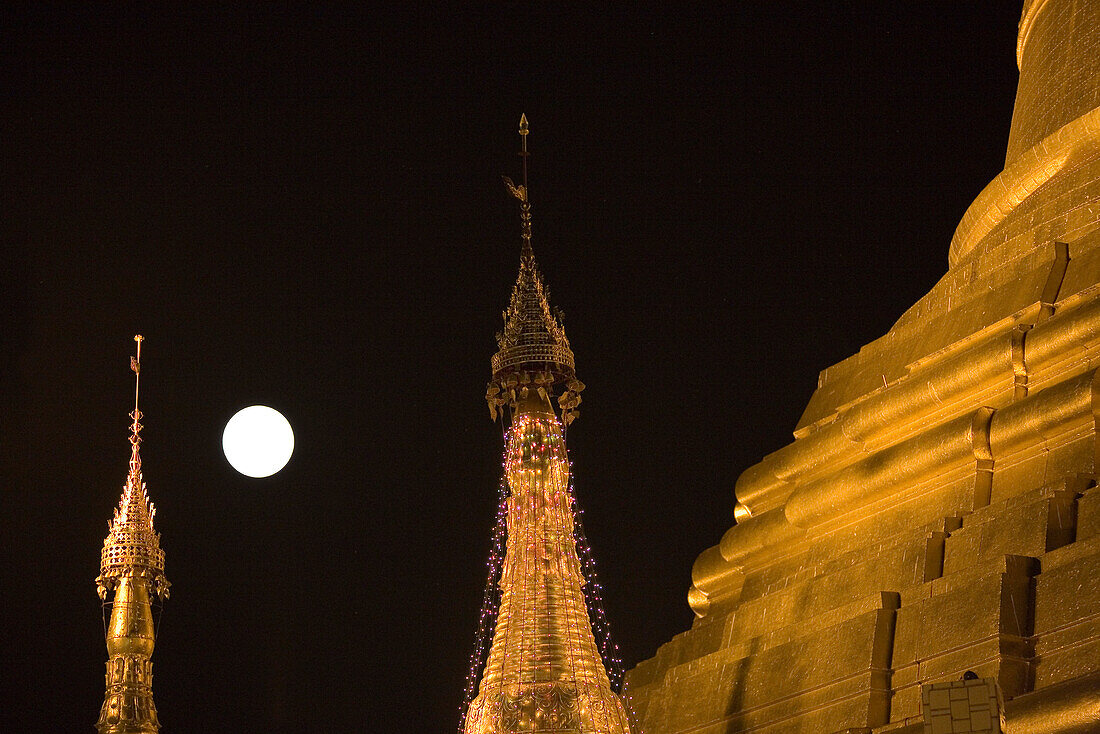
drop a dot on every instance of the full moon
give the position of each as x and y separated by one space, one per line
258 441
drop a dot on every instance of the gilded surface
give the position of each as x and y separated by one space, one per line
544 672
533 337
534 353
132 576
938 511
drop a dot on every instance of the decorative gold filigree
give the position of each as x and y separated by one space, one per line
534 352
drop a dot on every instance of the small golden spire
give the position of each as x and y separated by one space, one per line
132 545
131 577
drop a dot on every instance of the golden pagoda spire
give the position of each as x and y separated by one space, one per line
132 571
534 352
544 673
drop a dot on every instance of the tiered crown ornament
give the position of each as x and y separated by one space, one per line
534 351
132 576
544 673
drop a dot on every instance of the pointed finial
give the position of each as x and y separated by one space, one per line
523 138
520 192
523 130
135 427
523 153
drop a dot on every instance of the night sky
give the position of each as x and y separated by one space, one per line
303 208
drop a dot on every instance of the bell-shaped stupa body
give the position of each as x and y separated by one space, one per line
544 672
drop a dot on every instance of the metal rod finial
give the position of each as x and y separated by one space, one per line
135 366
135 426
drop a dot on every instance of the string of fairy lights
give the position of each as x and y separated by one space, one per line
490 603
593 598
491 597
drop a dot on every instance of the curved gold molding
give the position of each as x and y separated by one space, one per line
1070 707
980 369
1020 180
714 581
767 530
827 484
1027 22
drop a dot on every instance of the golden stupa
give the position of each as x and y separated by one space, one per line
132 574
544 673
925 555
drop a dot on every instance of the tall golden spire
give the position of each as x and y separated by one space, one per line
132 570
544 673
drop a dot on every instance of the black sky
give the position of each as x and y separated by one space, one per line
302 207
